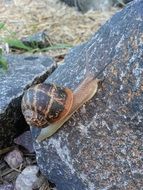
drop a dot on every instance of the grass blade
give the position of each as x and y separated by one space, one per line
3 63
2 25
15 43
57 46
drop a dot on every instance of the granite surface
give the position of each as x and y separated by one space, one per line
23 71
101 146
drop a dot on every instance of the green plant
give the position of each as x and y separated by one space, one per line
11 39
53 47
3 61
15 43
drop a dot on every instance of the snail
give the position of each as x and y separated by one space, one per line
48 106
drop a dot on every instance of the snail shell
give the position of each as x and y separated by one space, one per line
43 104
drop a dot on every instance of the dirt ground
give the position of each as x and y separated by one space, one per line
64 25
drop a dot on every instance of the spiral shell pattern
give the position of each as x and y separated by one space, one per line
43 104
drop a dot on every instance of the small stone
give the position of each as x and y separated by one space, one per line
7 187
25 140
38 40
28 179
14 158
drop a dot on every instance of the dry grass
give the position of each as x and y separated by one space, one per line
64 24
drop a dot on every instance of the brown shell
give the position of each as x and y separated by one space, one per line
46 103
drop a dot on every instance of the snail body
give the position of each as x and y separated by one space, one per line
48 106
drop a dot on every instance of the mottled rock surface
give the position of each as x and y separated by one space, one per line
28 178
25 140
23 71
7 187
101 146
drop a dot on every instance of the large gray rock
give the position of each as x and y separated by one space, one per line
100 147
86 5
23 71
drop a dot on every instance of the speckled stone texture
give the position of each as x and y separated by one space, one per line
23 71
100 147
